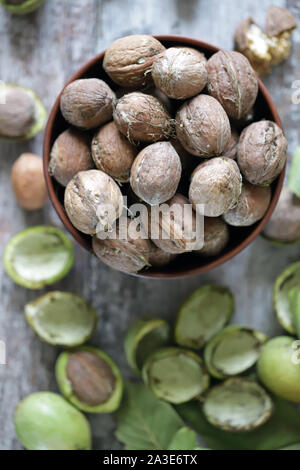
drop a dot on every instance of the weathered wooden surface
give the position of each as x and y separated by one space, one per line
41 51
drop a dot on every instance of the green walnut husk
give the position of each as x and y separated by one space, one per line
21 7
61 318
87 376
40 116
175 375
38 256
144 337
46 421
294 305
278 367
237 405
294 175
233 350
205 312
287 280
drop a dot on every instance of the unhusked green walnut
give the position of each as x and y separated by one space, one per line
143 338
233 82
202 126
251 206
278 368
128 60
142 117
28 183
180 72
216 236
284 224
285 282
22 114
46 421
230 150
93 201
203 314
89 379
237 405
70 154
87 103
21 7
233 350
113 153
216 186
262 152
175 375
174 226
155 173
129 254
159 257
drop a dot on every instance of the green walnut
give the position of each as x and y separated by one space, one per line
233 350
144 337
21 7
61 318
237 405
175 375
22 114
38 256
205 312
278 367
46 421
294 305
288 279
89 379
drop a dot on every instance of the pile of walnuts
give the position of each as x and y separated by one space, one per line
167 134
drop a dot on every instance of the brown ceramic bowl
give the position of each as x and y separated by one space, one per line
187 264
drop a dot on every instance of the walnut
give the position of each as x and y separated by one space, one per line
155 173
87 103
215 184
233 82
128 60
113 153
203 127
69 155
230 150
17 114
262 152
142 117
216 236
279 20
180 72
251 207
158 257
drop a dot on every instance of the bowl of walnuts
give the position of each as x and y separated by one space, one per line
154 125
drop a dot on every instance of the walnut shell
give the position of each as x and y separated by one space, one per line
87 103
93 201
158 257
142 117
251 207
279 20
203 127
180 72
17 114
216 184
216 236
69 155
128 255
233 82
128 60
262 152
230 150
173 230
155 173
284 224
27 179
113 153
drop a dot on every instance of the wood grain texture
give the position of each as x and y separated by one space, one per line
41 51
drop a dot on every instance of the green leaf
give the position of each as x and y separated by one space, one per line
294 178
282 429
294 304
184 439
292 447
144 422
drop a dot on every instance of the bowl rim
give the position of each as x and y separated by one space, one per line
188 272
